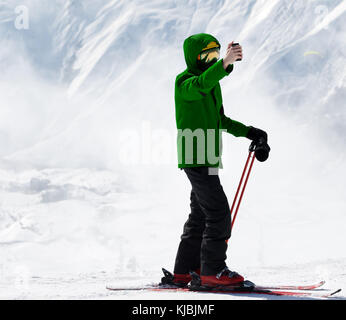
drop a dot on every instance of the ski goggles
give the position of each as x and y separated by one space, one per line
209 53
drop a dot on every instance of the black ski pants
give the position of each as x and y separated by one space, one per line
204 240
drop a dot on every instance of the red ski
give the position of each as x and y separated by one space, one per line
255 290
299 287
278 287
246 287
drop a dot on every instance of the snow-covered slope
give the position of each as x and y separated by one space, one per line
88 183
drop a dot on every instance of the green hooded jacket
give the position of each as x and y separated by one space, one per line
199 111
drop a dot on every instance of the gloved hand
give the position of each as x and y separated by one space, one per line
259 138
255 134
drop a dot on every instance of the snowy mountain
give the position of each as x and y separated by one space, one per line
89 188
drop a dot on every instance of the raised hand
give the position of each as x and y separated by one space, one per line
233 53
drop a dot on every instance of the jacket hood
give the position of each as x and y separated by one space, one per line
193 45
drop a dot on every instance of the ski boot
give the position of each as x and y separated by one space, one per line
224 280
225 277
176 280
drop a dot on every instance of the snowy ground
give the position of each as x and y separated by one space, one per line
66 234
89 190
92 285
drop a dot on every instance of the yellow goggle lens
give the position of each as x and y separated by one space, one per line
210 54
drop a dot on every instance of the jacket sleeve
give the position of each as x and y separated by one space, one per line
233 127
196 87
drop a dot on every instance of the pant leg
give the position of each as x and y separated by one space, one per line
213 203
188 255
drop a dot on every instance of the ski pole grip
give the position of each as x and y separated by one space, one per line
261 149
252 146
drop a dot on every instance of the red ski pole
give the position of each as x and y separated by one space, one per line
252 157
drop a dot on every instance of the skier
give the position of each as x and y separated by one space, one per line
200 113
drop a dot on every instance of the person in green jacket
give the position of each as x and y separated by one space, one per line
200 122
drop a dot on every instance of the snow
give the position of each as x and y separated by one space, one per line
89 190
336 13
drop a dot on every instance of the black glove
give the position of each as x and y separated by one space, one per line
255 134
259 138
